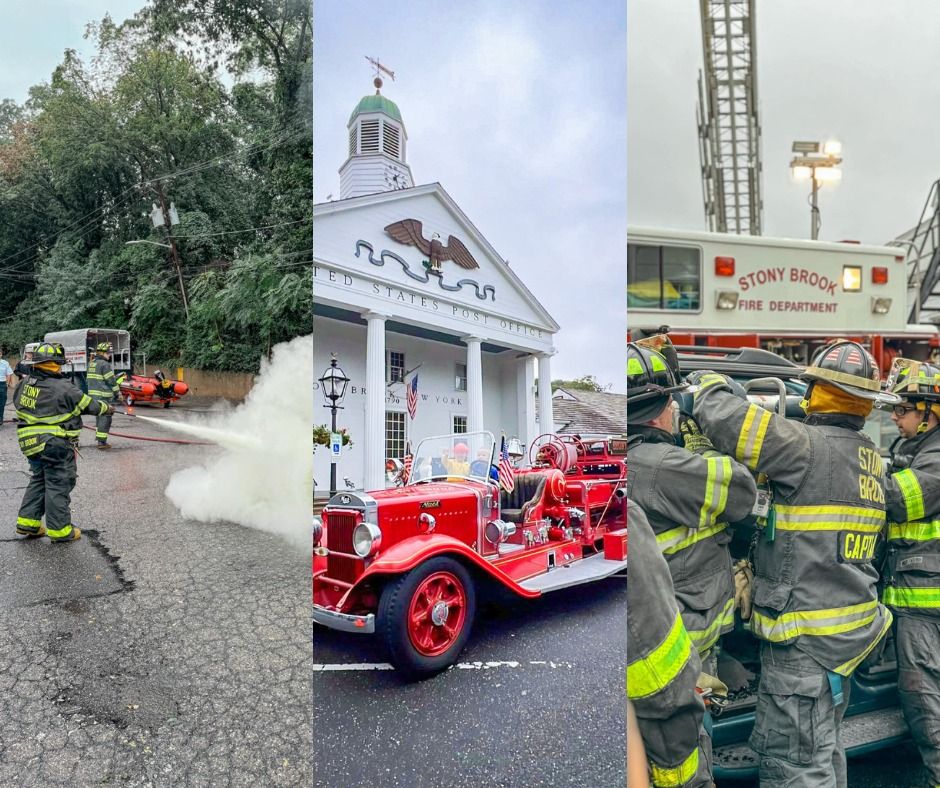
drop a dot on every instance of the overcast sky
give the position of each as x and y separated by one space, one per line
519 111
861 71
34 35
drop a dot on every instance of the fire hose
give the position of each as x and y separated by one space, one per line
142 438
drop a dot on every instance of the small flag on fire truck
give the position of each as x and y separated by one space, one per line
406 464
506 480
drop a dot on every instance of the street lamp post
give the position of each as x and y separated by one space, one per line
333 383
819 167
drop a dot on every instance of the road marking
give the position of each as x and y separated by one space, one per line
354 666
360 666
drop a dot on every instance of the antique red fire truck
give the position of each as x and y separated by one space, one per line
407 563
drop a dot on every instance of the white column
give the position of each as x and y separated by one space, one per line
474 384
546 412
374 438
525 400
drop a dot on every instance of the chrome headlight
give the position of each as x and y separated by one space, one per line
366 539
317 530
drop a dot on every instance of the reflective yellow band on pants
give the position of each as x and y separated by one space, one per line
913 495
751 437
829 517
670 777
922 531
924 596
26 522
716 490
704 639
654 672
830 621
676 539
59 533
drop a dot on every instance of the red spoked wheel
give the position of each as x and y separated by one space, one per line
425 616
436 613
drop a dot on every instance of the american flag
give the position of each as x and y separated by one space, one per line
406 464
413 396
505 468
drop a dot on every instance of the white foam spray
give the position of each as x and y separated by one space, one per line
264 479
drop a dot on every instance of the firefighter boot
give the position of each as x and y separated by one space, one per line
74 535
30 531
103 445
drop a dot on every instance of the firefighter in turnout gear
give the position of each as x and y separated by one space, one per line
103 387
912 571
690 493
49 410
663 668
815 603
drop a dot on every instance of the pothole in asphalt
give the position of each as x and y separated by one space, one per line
37 571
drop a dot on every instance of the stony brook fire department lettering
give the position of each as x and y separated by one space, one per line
855 548
794 275
870 487
28 399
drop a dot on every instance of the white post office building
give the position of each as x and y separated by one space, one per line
404 284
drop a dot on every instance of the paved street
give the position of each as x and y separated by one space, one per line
536 700
157 651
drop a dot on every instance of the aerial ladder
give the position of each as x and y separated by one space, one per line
728 123
923 261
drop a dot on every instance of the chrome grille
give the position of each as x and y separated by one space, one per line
340 526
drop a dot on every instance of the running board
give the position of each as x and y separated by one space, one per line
587 570
858 732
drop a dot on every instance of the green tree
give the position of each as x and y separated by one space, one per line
584 383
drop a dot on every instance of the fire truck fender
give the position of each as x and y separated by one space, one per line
409 553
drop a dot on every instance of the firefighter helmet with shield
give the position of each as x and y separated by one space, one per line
49 351
650 381
849 367
915 380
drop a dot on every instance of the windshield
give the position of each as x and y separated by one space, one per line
467 455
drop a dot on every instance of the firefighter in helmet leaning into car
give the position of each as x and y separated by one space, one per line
49 411
912 570
662 669
815 604
690 493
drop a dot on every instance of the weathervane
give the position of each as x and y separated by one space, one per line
378 67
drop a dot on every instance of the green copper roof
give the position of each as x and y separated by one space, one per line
376 103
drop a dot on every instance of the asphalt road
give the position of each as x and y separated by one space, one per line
157 651
537 699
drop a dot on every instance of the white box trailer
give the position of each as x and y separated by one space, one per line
785 295
80 346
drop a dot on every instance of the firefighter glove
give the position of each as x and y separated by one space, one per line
743 579
693 438
110 409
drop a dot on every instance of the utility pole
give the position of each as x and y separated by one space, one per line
173 251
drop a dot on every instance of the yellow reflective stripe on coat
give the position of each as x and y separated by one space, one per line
94 376
29 418
716 489
704 639
829 517
912 597
657 670
751 437
848 668
708 379
676 539
830 621
670 777
913 495
922 531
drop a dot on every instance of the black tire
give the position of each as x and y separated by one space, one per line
392 624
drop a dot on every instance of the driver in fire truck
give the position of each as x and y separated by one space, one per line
815 603
662 669
912 569
690 493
